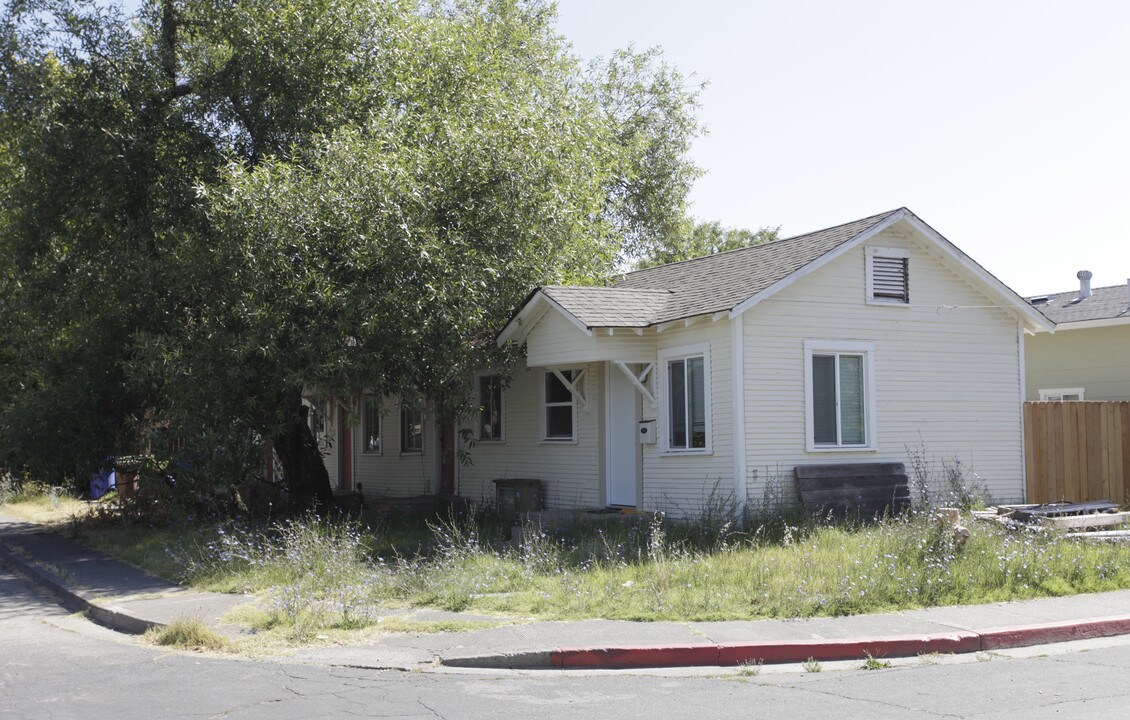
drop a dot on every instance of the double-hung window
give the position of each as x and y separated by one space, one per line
839 394
412 429
560 407
317 420
687 407
371 425
490 407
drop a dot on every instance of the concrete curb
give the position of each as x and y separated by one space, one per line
656 656
1048 633
110 616
797 651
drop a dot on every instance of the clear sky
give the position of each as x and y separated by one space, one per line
1004 125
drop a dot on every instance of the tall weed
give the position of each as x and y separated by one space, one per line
315 574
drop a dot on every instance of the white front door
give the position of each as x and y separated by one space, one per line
621 413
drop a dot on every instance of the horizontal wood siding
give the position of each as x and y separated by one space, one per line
947 372
690 484
570 472
555 340
1077 451
1093 359
390 473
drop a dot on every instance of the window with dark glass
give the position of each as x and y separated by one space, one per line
490 407
838 400
686 384
371 425
559 406
412 429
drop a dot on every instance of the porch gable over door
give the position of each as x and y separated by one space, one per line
555 340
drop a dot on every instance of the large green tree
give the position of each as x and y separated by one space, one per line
702 238
218 204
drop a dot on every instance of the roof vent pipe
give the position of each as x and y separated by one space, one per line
1084 284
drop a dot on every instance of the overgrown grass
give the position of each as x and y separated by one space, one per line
315 576
187 633
37 502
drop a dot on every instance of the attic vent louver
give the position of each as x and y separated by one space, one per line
891 279
1042 300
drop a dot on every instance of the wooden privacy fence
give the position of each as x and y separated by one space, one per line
1077 451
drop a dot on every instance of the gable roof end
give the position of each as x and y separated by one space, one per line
737 280
1035 320
722 281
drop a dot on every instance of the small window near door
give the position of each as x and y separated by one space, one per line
319 422
412 429
686 383
685 416
1061 395
371 426
490 407
560 407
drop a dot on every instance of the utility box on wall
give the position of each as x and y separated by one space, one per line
516 497
647 432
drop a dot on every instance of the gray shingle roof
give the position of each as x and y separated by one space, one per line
718 282
1105 303
708 284
611 306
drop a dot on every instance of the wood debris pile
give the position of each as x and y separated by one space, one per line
1096 520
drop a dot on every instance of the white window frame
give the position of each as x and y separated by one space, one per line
479 377
319 419
365 400
1056 394
892 253
404 411
576 375
870 417
665 356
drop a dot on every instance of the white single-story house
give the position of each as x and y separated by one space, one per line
702 384
1088 356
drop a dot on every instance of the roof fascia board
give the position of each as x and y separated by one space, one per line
518 320
568 315
532 311
818 263
1036 319
1086 324
687 320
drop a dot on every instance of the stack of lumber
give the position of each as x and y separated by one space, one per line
853 489
1095 519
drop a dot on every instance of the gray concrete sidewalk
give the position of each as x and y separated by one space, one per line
127 599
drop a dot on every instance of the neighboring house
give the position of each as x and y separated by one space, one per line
1088 356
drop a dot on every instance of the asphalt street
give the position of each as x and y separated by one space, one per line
56 665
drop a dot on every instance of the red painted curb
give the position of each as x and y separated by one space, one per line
1024 635
635 657
771 652
795 651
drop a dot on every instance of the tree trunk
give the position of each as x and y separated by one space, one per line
307 480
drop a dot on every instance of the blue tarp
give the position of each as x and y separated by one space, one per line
101 482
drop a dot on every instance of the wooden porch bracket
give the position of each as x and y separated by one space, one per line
640 379
575 387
